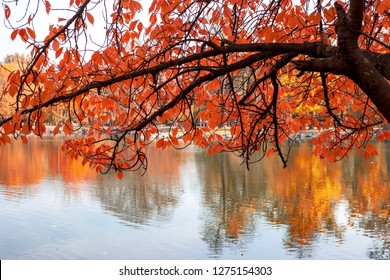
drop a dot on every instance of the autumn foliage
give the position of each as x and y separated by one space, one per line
234 75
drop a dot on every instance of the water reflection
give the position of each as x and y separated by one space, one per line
305 197
231 196
140 199
24 167
311 203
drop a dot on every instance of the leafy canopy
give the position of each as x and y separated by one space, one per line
232 75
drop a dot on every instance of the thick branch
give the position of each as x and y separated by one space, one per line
355 16
368 78
328 64
348 26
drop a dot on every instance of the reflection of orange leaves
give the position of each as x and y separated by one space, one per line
237 220
370 151
20 168
160 162
233 228
373 193
27 164
302 228
72 170
307 190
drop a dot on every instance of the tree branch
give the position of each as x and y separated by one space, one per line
355 16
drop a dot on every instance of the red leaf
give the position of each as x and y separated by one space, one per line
14 33
7 11
48 6
23 34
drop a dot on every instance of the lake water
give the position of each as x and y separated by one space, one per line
192 206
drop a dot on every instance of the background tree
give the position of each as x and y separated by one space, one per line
218 62
10 63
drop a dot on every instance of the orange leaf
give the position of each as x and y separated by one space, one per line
270 152
23 34
227 31
31 33
55 45
13 89
68 128
153 19
160 143
386 133
188 137
119 175
139 26
6 139
371 149
137 6
14 33
330 14
133 24
174 132
383 6
56 130
380 135
7 11
90 18
24 139
174 140
59 52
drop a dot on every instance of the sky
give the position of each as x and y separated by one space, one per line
7 46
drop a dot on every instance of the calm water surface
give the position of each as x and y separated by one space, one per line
192 206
